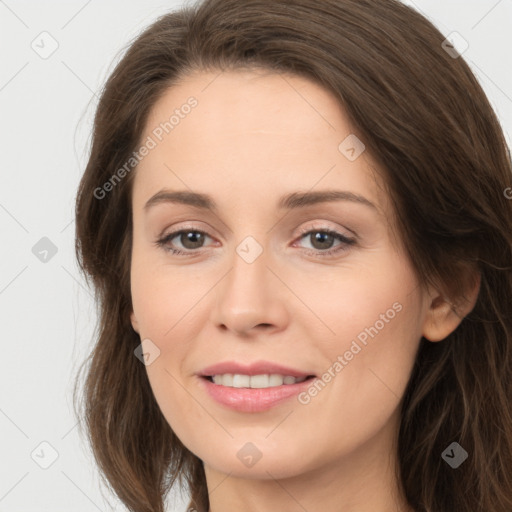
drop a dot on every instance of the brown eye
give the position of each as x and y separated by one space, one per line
321 239
190 240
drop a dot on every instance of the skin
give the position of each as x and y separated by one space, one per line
252 138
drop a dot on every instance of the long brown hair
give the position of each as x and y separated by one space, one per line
444 159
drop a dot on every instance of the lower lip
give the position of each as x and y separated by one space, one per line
253 400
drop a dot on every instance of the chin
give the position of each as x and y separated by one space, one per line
258 460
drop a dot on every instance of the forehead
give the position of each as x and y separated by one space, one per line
240 102
252 130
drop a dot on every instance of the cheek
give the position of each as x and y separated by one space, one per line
164 297
379 302
376 316
367 368
167 306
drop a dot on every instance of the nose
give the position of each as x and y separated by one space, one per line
251 298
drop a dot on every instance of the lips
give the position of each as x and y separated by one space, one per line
256 368
249 399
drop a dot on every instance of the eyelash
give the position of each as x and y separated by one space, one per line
345 242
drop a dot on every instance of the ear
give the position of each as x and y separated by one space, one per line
134 322
443 317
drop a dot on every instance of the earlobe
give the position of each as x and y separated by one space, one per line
134 322
443 317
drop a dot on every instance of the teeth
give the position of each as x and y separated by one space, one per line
255 381
241 381
259 381
276 380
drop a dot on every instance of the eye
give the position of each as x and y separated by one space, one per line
322 241
191 240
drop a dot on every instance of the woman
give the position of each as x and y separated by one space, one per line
367 370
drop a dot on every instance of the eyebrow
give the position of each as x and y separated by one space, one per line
290 201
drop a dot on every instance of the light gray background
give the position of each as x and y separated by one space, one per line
47 313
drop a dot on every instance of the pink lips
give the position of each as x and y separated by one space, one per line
247 399
257 368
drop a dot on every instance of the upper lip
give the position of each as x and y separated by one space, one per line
256 368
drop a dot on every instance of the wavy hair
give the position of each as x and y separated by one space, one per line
446 167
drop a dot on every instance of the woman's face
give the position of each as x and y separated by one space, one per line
278 279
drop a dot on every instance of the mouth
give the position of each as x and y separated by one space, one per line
253 393
253 387
262 381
